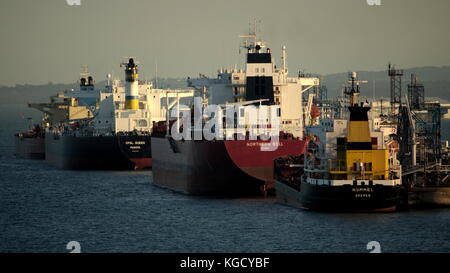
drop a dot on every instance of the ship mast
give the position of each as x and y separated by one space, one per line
354 91
251 42
85 72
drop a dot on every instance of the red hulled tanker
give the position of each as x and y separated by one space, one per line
235 166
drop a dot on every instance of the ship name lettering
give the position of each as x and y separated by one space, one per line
362 190
260 144
135 142
363 195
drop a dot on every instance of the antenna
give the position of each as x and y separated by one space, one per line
251 39
283 57
126 60
84 72
373 90
108 79
354 91
156 73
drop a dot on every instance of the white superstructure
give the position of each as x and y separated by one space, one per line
261 79
115 116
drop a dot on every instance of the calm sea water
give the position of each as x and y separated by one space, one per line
43 208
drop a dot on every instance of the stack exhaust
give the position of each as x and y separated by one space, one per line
131 85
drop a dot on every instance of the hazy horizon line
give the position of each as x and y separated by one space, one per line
179 77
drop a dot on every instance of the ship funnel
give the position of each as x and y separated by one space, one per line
86 81
131 85
358 134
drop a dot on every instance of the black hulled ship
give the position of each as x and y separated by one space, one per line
116 136
362 175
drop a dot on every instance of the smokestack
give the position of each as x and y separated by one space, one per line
131 85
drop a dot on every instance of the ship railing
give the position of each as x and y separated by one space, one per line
291 80
341 166
133 133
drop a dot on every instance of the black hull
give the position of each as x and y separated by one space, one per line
86 152
199 168
347 198
30 147
137 148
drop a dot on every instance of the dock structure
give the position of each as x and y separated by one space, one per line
424 159
395 76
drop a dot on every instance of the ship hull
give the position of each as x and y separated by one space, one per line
287 195
346 198
87 152
199 168
214 167
252 157
30 147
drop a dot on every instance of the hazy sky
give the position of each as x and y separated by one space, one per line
48 40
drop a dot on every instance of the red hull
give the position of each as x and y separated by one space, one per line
142 163
249 157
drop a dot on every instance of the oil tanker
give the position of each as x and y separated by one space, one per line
117 136
347 166
236 164
63 107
